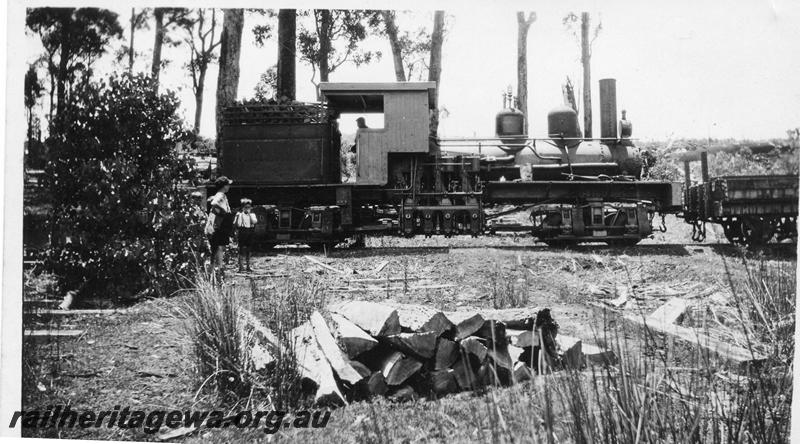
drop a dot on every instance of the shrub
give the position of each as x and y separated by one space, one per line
781 160
661 167
199 145
746 163
347 159
120 221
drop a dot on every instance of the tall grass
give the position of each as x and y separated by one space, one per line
284 307
660 392
768 299
508 291
220 323
220 337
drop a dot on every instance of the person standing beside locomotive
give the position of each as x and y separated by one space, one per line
361 125
245 223
219 225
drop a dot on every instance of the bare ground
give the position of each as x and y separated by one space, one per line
143 358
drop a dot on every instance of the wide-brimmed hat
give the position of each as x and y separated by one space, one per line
245 201
196 194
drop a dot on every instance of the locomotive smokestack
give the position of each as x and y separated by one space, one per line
608 108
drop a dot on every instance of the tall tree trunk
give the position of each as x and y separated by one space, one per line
394 42
228 79
523 25
287 58
159 42
131 49
198 98
30 125
435 66
325 23
50 71
586 56
61 85
568 92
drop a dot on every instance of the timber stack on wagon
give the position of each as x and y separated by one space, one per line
359 350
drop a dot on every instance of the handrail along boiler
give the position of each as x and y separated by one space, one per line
286 158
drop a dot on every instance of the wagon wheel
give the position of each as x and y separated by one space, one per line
757 230
787 229
733 231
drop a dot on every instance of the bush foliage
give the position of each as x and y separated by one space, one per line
120 222
781 160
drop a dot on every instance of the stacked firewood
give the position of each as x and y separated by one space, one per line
363 349
274 112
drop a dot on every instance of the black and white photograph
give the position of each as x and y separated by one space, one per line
380 222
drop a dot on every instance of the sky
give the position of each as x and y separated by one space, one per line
683 69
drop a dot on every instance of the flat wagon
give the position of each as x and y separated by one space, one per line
751 209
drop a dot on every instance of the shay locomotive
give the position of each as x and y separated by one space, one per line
286 158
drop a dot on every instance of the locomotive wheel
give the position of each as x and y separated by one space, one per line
757 230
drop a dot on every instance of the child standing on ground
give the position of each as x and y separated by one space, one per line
245 223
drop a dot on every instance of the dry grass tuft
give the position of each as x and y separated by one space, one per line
220 337
663 395
223 340
283 308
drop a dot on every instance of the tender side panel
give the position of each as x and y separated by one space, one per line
277 154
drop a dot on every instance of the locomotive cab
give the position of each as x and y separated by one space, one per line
406 109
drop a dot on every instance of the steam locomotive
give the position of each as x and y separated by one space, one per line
287 159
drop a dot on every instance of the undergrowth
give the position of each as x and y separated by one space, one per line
656 391
220 323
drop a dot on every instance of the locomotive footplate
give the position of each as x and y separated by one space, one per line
665 195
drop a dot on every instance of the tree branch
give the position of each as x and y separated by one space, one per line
193 70
341 61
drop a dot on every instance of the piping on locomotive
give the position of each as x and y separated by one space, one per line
286 158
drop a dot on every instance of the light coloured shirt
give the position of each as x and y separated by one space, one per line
243 221
220 200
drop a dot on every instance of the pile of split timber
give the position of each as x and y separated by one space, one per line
362 349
